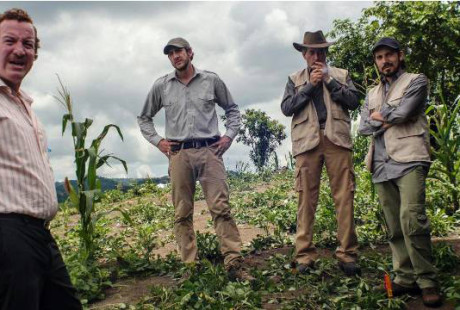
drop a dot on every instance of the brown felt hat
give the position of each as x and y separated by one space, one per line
312 40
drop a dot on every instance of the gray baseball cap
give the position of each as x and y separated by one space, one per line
175 43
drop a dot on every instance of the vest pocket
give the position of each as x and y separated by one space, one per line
419 224
394 102
300 118
340 115
341 127
406 130
296 130
301 181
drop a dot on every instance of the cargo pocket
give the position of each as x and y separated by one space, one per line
419 224
352 180
301 180
298 180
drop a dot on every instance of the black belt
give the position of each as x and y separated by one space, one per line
195 144
26 219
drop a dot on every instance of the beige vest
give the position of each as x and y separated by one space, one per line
305 125
404 142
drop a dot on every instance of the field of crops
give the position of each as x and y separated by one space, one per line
135 265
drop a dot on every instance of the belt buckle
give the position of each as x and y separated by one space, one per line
196 144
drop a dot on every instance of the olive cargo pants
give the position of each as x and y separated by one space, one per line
403 204
186 167
341 178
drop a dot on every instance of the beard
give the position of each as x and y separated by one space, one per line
183 66
391 72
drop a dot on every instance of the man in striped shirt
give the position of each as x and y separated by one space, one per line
32 272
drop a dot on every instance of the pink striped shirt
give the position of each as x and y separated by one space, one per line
26 177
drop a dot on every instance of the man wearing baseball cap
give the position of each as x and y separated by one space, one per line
318 98
194 147
399 159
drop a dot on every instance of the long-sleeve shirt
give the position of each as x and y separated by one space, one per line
292 103
26 179
190 109
414 101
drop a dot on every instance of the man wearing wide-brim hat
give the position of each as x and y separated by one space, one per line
318 98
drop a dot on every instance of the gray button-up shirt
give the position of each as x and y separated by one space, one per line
190 109
384 168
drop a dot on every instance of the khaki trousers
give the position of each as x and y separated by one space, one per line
186 167
403 204
339 168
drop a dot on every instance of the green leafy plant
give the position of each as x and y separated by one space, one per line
447 152
445 257
87 160
290 161
451 289
208 246
431 50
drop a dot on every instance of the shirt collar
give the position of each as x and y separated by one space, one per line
172 75
22 95
397 75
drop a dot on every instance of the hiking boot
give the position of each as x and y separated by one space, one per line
237 272
431 297
305 268
350 269
399 290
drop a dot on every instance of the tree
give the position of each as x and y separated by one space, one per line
429 32
262 134
430 35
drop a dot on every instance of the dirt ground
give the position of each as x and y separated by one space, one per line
130 291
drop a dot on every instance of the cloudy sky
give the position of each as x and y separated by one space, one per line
109 54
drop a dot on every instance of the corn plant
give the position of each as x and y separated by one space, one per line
447 152
87 160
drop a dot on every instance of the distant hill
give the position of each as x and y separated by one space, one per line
108 184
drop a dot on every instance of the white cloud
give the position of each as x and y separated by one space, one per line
109 53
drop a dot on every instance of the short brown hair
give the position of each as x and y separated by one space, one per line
21 16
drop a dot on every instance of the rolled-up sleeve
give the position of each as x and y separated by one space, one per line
365 124
151 107
412 103
292 103
347 95
232 112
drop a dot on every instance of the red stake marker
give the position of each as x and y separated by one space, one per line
388 286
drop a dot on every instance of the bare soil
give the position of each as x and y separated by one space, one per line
132 290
